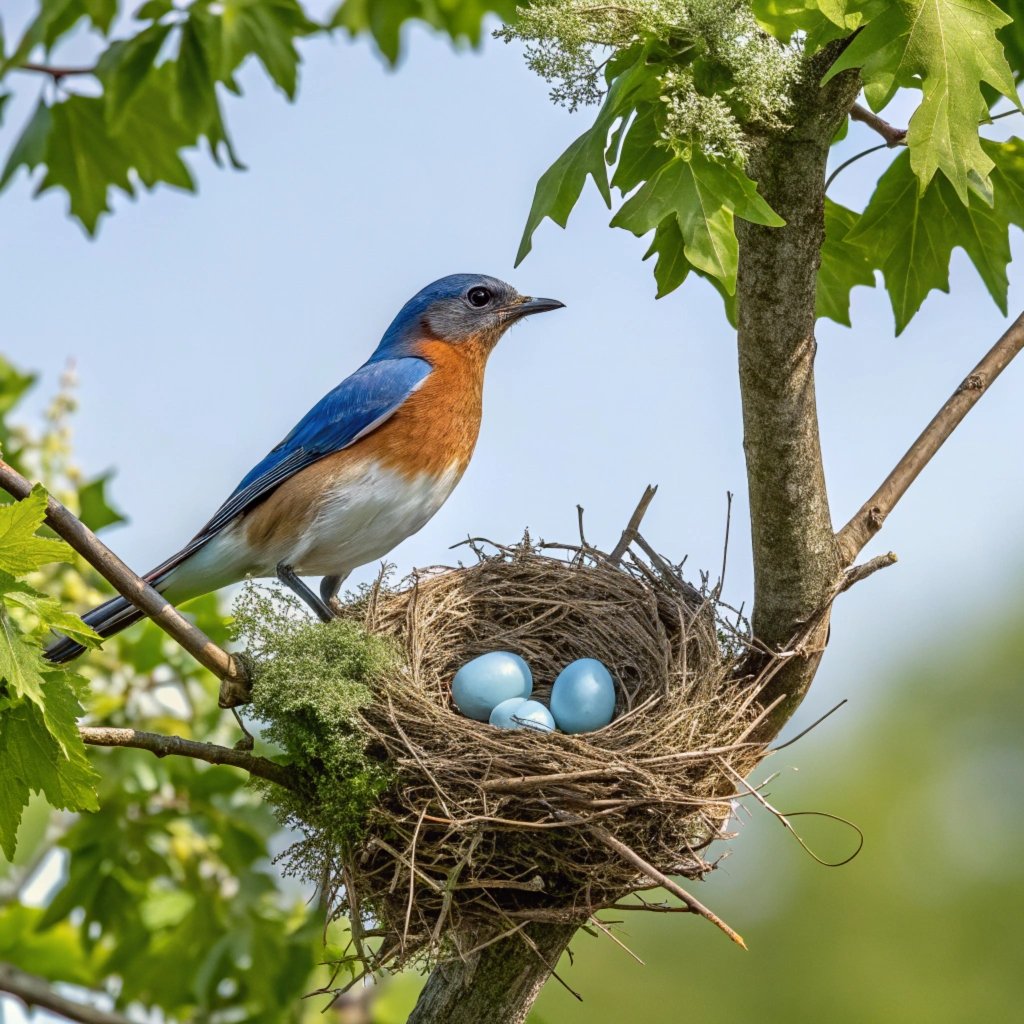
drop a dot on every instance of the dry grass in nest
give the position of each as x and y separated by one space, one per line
485 830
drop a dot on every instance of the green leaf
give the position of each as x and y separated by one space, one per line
560 186
199 59
703 195
125 65
101 13
20 550
30 149
94 508
83 159
266 29
912 235
34 760
843 266
671 267
947 48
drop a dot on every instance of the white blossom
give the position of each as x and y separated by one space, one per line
568 43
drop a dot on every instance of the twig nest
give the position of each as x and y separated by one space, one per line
481 828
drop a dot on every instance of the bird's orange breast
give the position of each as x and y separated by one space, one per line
433 434
436 428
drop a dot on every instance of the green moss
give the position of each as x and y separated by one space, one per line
310 681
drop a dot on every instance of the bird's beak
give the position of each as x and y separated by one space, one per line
530 305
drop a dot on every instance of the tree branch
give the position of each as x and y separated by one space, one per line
56 73
893 136
132 587
869 519
212 753
34 991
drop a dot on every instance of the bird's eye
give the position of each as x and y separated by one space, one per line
478 296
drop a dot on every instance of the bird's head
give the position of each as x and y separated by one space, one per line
460 308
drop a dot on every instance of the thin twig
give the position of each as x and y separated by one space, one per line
856 573
34 992
655 875
132 587
56 73
212 753
629 533
872 514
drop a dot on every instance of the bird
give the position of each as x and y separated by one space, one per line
365 468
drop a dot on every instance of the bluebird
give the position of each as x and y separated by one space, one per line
365 468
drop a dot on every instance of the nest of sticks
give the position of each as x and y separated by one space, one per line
486 830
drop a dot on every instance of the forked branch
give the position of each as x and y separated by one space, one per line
133 588
872 514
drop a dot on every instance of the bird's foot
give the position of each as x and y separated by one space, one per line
287 575
248 741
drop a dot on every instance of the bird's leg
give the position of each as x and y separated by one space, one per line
329 587
287 575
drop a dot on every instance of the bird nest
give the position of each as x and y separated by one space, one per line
484 830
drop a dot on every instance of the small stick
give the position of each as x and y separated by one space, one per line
130 586
633 525
655 875
597 922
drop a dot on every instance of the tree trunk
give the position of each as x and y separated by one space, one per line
796 558
498 985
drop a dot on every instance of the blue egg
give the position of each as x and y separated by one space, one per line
483 683
583 697
519 713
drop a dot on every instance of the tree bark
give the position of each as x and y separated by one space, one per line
499 984
796 558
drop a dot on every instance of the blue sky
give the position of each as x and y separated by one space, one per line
203 327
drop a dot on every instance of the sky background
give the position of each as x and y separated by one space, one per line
203 327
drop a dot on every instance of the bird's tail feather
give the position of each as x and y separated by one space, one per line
107 619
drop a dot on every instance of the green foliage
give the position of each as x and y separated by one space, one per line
910 235
309 683
126 121
462 21
947 48
168 903
954 189
39 704
686 195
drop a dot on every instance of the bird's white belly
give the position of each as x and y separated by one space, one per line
364 515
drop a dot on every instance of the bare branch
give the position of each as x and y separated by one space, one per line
132 587
34 991
211 753
872 514
893 136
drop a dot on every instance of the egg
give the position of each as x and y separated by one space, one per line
483 683
519 713
583 697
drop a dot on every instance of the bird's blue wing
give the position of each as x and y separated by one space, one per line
355 407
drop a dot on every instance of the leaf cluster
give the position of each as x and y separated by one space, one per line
167 899
39 703
951 187
156 90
